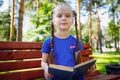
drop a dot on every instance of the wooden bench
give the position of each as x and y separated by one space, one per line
21 61
85 56
86 52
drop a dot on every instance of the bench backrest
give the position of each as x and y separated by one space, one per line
86 52
21 60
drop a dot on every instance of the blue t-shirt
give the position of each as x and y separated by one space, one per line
63 51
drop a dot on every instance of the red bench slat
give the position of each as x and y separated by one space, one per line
83 59
26 75
86 46
19 45
19 65
20 55
105 77
92 74
85 52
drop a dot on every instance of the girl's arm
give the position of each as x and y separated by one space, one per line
44 65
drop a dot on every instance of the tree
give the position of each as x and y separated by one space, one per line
78 20
37 8
4 26
93 6
12 22
118 26
88 7
90 22
20 21
41 24
99 42
114 5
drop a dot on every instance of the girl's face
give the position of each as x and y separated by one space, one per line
62 17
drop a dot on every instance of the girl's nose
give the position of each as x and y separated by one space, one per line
63 17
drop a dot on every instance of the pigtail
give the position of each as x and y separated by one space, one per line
51 57
52 31
78 60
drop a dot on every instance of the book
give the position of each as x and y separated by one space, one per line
70 73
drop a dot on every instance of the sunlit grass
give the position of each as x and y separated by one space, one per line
115 53
106 59
40 79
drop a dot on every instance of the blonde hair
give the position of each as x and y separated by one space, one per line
60 4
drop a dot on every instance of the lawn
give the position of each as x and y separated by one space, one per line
106 59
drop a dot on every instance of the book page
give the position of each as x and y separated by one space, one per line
61 67
93 60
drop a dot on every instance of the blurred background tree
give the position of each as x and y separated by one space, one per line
4 25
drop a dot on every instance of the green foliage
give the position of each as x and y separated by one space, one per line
4 26
40 79
41 22
111 27
109 32
85 39
108 45
85 35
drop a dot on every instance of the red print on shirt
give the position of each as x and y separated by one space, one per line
72 47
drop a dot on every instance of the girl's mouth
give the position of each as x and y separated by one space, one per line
64 23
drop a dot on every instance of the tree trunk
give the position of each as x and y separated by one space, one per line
99 43
90 28
115 33
118 22
37 3
37 13
20 21
90 24
12 23
78 20
115 36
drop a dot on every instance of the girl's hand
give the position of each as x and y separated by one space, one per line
92 69
44 65
47 75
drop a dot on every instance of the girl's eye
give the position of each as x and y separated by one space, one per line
68 15
59 15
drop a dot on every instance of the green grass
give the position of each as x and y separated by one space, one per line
115 53
40 79
106 59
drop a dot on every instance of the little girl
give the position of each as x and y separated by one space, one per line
65 47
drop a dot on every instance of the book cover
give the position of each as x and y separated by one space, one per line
70 73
